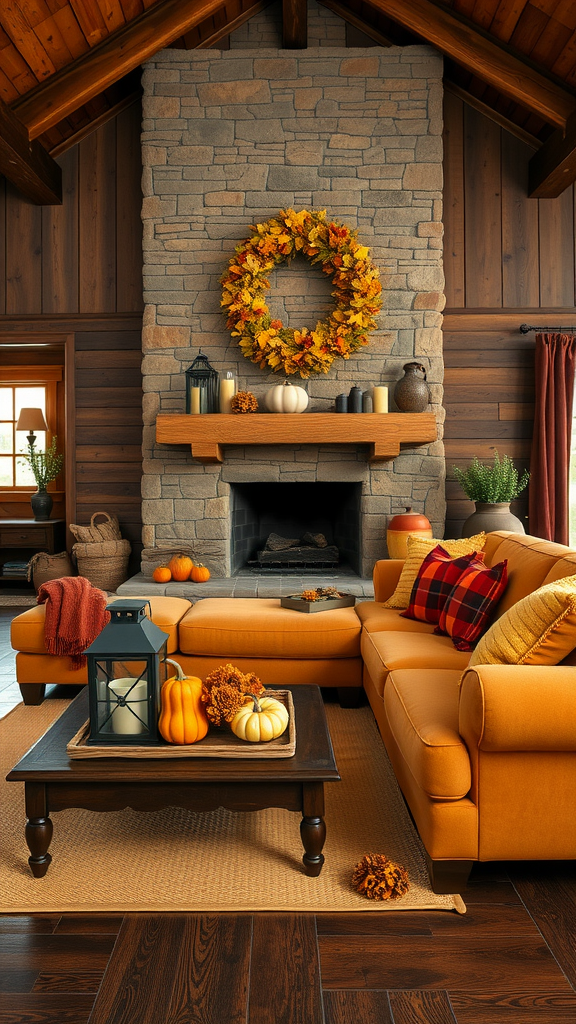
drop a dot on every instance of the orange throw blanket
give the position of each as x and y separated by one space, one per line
75 615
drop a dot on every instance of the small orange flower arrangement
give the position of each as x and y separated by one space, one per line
224 691
357 293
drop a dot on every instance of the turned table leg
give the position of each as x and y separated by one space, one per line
38 828
313 827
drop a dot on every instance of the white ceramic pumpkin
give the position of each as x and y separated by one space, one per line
286 397
261 719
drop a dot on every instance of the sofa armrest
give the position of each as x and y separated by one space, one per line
386 575
518 707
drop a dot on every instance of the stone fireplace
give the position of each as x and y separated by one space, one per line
229 138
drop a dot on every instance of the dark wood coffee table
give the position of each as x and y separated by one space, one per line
53 782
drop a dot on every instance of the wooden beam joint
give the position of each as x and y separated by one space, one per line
27 164
553 168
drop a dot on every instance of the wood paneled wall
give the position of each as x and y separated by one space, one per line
77 270
86 255
508 260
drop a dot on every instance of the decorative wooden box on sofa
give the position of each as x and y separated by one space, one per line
487 768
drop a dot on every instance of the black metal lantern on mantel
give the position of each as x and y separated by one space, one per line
202 386
126 669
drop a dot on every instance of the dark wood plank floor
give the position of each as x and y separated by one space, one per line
510 960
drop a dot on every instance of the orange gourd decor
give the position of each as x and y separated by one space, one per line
180 566
199 573
183 716
162 574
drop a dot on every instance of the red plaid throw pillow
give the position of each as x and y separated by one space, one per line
437 576
470 605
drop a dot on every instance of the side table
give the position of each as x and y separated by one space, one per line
24 537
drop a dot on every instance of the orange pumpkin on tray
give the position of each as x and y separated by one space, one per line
180 566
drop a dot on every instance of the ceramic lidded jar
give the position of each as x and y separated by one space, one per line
400 527
411 393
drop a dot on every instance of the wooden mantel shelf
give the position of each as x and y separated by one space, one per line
206 434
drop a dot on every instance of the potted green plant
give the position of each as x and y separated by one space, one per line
492 488
45 466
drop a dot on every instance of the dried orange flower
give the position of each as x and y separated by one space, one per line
244 401
379 878
309 595
223 692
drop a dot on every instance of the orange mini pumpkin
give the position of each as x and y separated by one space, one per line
180 566
162 574
199 573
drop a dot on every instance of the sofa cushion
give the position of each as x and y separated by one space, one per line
565 566
258 627
27 629
471 605
418 548
538 630
437 575
422 713
530 559
375 618
387 652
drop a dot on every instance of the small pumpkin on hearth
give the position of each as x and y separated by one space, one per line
162 574
180 566
183 716
261 719
200 573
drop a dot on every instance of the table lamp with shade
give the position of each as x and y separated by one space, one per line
45 465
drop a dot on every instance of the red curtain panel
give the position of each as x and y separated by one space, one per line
550 461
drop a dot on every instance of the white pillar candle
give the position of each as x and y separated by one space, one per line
123 720
380 398
195 400
227 392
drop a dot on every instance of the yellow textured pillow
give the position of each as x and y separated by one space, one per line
538 630
418 548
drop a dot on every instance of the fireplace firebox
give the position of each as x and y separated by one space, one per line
324 518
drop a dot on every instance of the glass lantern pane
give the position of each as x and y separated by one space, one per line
122 697
6 472
6 404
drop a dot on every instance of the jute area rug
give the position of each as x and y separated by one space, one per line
177 860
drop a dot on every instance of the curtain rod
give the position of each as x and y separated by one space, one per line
525 329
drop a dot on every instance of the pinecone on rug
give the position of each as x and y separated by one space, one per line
378 878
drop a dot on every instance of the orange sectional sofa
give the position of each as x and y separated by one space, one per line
488 767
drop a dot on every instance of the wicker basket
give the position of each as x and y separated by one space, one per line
103 563
109 530
43 567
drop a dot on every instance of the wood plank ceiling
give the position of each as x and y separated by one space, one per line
66 66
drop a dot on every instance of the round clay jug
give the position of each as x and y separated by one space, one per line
400 527
492 515
411 393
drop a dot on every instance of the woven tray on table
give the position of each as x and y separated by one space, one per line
215 744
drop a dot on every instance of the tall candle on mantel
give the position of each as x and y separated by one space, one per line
227 391
195 400
380 398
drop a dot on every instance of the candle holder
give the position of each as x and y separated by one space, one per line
201 375
126 670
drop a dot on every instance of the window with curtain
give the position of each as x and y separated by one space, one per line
572 486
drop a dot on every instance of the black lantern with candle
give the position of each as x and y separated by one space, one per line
204 377
126 669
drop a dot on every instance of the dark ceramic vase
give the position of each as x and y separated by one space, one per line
492 515
42 504
411 393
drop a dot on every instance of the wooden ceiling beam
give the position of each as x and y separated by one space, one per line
121 52
553 168
27 164
294 24
483 56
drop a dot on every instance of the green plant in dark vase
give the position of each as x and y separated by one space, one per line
492 487
45 467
